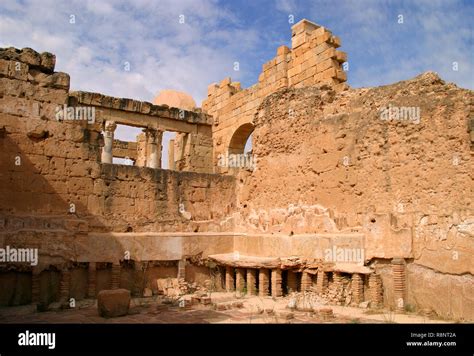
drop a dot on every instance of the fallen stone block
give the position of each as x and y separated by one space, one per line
147 292
113 303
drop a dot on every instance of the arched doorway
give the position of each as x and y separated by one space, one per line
241 141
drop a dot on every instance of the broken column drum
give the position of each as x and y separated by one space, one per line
251 281
229 279
263 282
375 290
240 279
276 283
399 283
357 288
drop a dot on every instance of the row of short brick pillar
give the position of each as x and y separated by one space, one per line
357 285
246 279
65 282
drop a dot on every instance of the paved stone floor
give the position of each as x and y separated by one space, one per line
253 310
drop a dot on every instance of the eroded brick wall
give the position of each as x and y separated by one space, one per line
335 163
313 59
53 186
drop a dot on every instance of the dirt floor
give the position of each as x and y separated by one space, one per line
225 308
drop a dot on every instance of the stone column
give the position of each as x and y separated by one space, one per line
251 281
137 289
229 279
240 279
92 274
182 268
399 285
141 150
35 287
357 287
375 290
154 138
107 153
337 278
306 281
263 282
321 282
171 155
276 283
64 285
292 281
115 282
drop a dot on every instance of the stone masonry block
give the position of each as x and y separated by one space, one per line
322 39
48 62
328 63
329 53
211 89
335 41
225 82
341 56
113 303
321 48
282 50
30 57
303 26
298 40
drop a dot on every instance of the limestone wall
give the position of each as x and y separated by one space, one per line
313 59
337 165
54 187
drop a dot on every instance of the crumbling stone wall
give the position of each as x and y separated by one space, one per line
193 151
313 59
332 162
335 165
54 186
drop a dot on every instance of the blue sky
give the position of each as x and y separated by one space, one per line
165 54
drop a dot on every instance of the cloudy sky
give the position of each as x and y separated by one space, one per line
136 48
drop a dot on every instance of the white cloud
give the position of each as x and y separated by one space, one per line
162 52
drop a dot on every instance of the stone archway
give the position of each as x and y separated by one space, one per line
239 138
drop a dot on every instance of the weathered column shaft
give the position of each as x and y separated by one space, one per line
306 281
375 290
139 279
321 282
399 283
357 287
35 287
115 282
182 268
292 281
337 278
251 281
64 285
107 154
276 283
154 140
229 279
240 279
263 282
92 278
171 155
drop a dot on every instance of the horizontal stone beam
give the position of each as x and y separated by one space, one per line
138 107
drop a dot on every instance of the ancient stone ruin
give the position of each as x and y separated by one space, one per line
360 197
